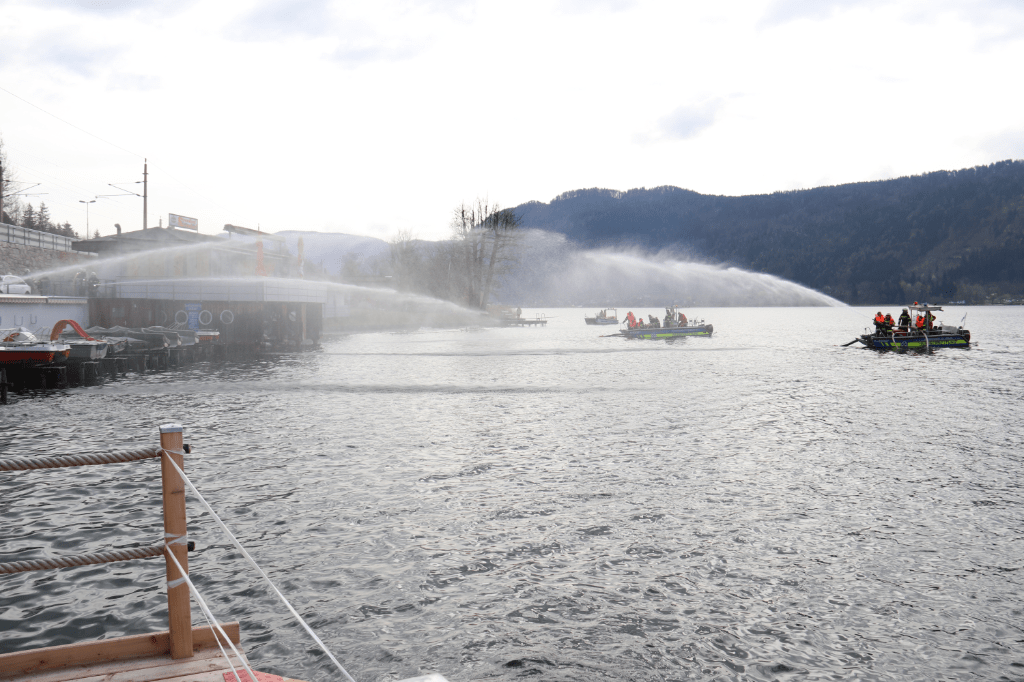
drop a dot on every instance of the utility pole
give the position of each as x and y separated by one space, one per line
145 193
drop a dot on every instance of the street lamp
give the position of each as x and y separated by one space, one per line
91 201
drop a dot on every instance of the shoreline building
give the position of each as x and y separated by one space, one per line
171 277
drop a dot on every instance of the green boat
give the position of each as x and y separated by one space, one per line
918 339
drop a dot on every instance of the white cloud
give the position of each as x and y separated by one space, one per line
382 116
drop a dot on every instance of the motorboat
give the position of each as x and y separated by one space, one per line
22 347
84 348
925 337
674 325
606 316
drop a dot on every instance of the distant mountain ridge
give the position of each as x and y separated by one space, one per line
946 235
333 250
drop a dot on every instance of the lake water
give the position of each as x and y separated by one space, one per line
546 504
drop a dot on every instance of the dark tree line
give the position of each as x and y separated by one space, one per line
947 235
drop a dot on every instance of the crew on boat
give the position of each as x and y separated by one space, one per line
879 322
889 322
919 322
929 320
905 320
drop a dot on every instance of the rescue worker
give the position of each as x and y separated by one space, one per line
919 322
889 322
905 320
879 322
929 320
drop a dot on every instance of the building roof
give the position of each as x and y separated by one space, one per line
142 240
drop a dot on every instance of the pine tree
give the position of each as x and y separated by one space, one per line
28 217
43 218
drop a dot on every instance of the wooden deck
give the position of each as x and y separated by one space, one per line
141 658
205 666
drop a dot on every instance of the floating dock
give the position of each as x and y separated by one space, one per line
523 322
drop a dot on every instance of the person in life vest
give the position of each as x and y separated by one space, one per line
905 320
889 322
879 322
929 320
630 320
919 322
682 320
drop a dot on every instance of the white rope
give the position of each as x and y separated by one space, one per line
241 549
212 621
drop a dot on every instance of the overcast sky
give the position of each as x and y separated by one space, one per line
374 117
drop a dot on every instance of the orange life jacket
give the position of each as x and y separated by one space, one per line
879 318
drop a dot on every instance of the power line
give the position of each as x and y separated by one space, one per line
69 123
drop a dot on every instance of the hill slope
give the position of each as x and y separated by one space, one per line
947 235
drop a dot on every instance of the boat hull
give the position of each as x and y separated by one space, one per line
669 332
32 356
915 342
83 351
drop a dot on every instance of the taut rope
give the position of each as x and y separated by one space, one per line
82 559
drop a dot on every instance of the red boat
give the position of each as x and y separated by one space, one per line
21 347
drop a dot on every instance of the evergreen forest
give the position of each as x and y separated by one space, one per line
942 236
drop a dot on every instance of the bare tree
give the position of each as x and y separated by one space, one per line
404 260
8 195
487 235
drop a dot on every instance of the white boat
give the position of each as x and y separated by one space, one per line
606 316
21 347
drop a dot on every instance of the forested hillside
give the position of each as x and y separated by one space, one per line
942 236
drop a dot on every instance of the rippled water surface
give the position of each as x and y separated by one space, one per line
505 504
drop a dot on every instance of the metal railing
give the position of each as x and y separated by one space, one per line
13 234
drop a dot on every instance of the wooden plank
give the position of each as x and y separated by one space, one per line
198 677
114 667
101 651
174 668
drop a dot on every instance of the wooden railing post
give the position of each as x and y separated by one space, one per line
179 615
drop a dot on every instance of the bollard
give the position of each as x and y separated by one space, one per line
179 617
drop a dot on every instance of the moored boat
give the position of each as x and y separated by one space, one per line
925 337
21 347
606 316
84 348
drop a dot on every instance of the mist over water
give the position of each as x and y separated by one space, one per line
555 272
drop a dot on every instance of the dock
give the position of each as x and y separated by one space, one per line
523 322
182 652
139 658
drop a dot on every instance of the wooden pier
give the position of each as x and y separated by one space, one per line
139 658
74 373
523 322
182 653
